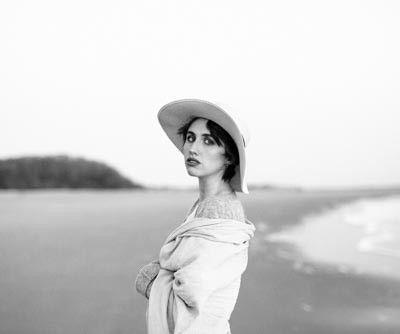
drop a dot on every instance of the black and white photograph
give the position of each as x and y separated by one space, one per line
200 167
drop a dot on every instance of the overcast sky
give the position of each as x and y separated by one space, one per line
317 81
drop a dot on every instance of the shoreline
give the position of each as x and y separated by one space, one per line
369 241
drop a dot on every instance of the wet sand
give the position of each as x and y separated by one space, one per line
69 260
362 236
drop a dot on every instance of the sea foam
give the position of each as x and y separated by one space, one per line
363 235
380 223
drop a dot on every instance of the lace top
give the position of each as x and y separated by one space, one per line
225 206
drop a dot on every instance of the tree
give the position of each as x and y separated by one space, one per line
60 172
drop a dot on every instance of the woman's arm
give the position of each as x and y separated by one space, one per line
212 267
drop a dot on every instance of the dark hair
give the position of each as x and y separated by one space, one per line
220 136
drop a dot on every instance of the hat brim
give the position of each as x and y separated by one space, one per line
177 113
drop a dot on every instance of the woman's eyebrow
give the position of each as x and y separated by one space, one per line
204 134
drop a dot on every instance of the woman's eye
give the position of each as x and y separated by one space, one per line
208 141
189 138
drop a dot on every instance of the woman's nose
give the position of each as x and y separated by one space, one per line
194 147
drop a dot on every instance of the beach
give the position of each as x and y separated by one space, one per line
369 231
295 289
69 260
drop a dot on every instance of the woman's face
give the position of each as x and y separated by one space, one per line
201 146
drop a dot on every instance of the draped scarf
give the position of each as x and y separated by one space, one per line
201 266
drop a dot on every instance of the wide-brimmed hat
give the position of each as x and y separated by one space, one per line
177 113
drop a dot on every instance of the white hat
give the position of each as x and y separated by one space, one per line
177 113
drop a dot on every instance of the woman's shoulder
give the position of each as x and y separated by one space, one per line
223 207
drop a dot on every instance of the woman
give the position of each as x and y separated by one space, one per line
194 285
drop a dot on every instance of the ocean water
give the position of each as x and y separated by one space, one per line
361 236
380 223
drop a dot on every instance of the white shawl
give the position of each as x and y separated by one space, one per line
201 265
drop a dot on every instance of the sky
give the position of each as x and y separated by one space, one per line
317 82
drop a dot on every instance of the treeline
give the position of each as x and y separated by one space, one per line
60 172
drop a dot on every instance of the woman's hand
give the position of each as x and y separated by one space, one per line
145 278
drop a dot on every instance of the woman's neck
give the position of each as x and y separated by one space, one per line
214 189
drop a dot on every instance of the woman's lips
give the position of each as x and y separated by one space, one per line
192 162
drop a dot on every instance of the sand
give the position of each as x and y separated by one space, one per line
69 259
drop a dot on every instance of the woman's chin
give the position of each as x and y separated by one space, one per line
191 172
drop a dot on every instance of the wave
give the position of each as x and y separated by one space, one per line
380 223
